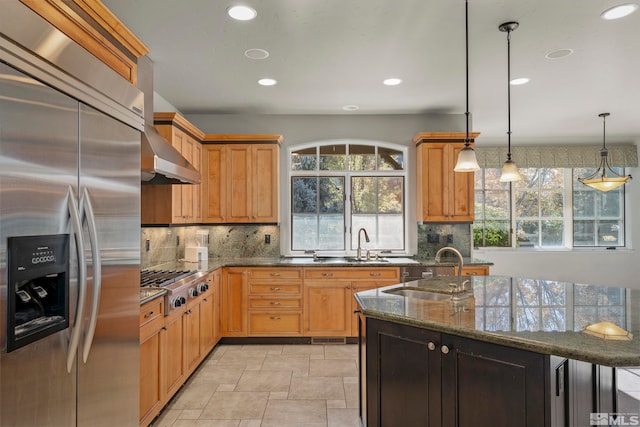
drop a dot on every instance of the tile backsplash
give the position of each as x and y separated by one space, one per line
163 244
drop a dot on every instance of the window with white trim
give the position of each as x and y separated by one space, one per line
549 208
338 188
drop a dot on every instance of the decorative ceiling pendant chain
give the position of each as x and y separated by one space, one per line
601 179
509 169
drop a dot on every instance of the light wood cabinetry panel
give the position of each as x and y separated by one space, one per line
179 203
442 194
240 178
327 308
192 335
475 270
151 323
235 294
173 355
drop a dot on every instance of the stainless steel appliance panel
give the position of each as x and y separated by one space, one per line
38 162
110 180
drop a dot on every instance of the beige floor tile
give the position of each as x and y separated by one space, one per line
333 368
325 388
250 423
167 417
190 414
226 387
278 395
251 360
281 413
219 374
311 350
336 404
299 364
351 392
269 348
342 417
340 351
194 396
264 381
237 405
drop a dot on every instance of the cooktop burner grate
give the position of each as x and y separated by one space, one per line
160 278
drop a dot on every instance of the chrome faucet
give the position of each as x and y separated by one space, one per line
366 238
459 287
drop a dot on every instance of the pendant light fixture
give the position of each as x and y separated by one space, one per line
467 161
605 178
509 169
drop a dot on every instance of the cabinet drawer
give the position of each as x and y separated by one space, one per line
275 288
481 270
275 303
151 318
356 273
275 323
275 273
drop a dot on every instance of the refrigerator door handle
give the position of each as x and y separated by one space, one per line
86 212
82 278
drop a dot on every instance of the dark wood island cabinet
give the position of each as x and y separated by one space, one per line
420 368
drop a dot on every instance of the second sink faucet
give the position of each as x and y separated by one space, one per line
459 285
366 238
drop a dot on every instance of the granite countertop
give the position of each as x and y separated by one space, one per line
538 315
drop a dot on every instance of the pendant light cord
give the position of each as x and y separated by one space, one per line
466 30
508 94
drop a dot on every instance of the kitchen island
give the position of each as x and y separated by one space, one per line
511 353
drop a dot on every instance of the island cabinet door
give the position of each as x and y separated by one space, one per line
489 385
403 376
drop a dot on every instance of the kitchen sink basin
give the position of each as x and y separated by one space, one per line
419 294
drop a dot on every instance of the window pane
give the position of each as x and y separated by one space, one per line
331 232
390 159
493 233
583 233
304 160
609 233
610 204
390 195
584 204
552 234
492 210
551 203
391 232
362 157
527 204
304 233
304 195
496 204
331 195
333 157
364 195
527 233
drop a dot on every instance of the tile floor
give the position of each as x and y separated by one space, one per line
269 385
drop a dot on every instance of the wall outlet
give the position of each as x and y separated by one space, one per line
433 238
147 243
267 239
449 238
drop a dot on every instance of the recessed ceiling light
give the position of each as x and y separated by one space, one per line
256 53
620 11
267 82
519 81
558 53
351 108
242 13
392 81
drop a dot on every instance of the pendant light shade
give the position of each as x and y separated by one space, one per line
467 161
509 169
604 178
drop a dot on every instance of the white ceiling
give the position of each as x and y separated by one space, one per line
330 53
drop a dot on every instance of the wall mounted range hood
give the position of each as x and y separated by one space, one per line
160 162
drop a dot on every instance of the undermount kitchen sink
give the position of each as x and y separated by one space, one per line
419 294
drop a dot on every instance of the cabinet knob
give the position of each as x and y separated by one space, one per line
375 274
327 274
275 274
149 314
275 303
275 289
431 346
274 318
357 311
444 349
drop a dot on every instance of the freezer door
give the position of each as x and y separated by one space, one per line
108 362
38 163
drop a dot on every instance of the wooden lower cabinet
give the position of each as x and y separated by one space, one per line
193 334
418 377
173 342
474 270
235 294
327 308
151 323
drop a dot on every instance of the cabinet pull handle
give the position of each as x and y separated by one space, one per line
431 346
205 300
149 314
275 274
274 318
275 303
375 274
327 274
164 328
444 349
471 273
357 311
275 289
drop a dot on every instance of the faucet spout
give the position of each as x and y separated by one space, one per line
459 285
366 238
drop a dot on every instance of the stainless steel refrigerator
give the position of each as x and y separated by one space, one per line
69 247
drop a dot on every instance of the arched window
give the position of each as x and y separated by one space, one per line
338 187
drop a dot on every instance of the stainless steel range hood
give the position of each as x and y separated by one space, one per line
161 163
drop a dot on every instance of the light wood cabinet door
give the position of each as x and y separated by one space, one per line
192 335
234 302
265 190
214 183
473 270
240 176
207 322
151 396
327 308
173 354
442 194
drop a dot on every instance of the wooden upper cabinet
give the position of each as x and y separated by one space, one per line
177 203
86 22
442 194
240 178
